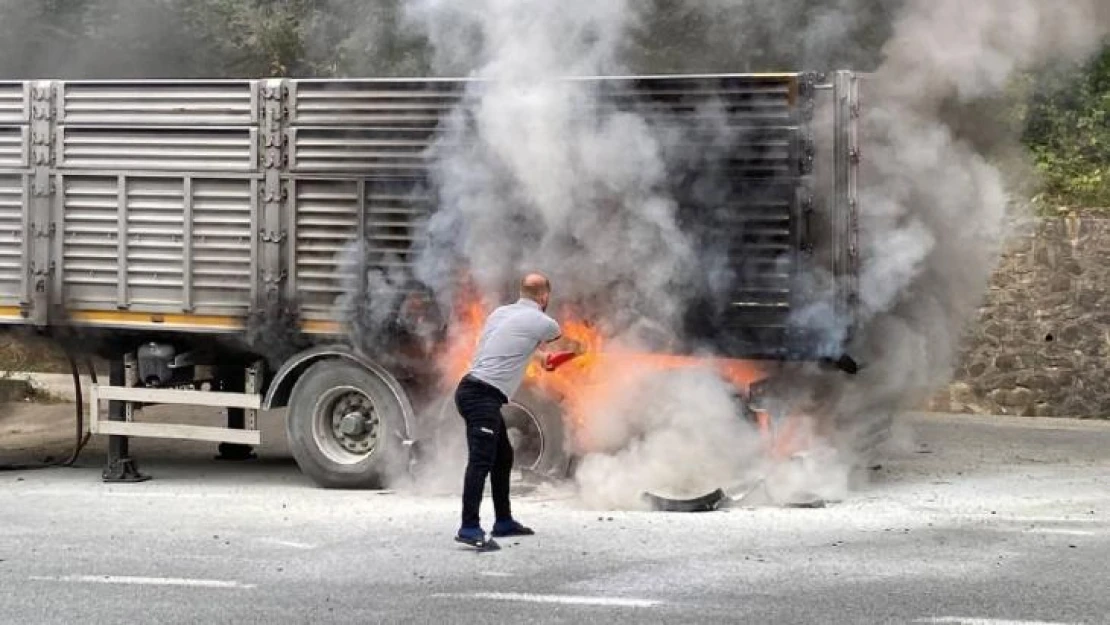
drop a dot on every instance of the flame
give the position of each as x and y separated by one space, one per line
793 434
601 373
462 340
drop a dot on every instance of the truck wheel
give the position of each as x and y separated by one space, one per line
535 429
343 426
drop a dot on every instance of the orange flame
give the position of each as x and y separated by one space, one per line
601 373
462 341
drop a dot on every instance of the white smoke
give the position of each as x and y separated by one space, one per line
935 203
535 174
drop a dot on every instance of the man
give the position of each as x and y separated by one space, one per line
510 338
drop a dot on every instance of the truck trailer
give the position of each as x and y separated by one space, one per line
192 233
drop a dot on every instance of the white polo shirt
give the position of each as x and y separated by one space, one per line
509 338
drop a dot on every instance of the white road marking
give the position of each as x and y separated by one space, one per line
1061 531
1078 520
495 574
1055 531
286 543
612 602
965 620
142 581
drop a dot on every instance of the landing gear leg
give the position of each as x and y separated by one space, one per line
121 466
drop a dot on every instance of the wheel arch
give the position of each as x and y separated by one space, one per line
281 386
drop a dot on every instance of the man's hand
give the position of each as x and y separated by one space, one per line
565 350
552 361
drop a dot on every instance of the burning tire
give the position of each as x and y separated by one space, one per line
342 425
535 428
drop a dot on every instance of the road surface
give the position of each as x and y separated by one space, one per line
976 521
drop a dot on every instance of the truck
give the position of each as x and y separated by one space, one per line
191 232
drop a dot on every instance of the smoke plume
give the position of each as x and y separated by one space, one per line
535 173
935 203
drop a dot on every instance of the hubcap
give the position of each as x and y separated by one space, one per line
353 424
347 427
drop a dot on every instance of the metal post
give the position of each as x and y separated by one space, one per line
253 387
41 228
240 418
121 466
272 234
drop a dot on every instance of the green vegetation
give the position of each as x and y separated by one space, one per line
1062 114
1068 130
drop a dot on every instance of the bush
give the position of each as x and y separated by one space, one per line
1068 132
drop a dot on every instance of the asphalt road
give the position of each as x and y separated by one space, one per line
976 521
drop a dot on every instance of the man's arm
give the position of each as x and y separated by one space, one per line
556 349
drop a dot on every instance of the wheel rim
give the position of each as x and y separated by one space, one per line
526 435
346 425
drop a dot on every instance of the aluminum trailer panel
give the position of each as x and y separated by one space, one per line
186 206
15 134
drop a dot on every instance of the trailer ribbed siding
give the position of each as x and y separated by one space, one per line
187 205
15 136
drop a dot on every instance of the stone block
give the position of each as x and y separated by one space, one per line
1090 299
1021 397
976 369
994 329
1007 362
961 395
1071 334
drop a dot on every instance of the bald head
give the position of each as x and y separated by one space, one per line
536 287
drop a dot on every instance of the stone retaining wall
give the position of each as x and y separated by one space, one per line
1041 346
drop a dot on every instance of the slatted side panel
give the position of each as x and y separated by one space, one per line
175 149
128 104
373 151
222 245
14 108
327 236
747 130
396 212
423 103
761 223
151 263
178 235
11 239
154 253
378 128
745 135
326 225
14 146
373 103
737 99
90 241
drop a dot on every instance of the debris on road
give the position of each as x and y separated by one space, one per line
704 503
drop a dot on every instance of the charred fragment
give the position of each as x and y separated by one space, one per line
703 503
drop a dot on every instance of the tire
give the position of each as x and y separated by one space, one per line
536 432
538 435
343 426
